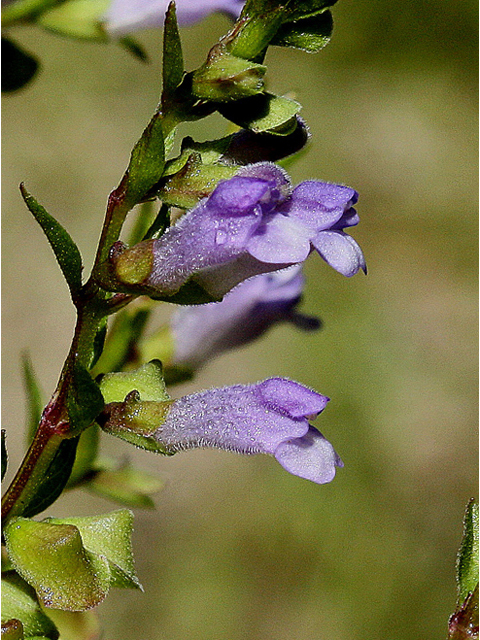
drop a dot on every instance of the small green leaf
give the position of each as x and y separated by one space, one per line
146 162
264 113
172 69
76 19
108 536
120 345
64 248
34 397
309 34
307 8
84 400
54 479
4 453
225 77
147 380
24 10
133 47
18 66
468 555
87 450
19 602
48 556
252 34
125 484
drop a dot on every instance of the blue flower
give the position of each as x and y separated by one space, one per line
270 417
252 223
202 332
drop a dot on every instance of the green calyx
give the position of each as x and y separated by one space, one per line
132 266
225 77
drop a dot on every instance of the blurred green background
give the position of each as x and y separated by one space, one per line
237 548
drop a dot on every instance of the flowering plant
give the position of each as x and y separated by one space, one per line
225 251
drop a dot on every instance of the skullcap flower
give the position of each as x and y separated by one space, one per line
201 332
252 223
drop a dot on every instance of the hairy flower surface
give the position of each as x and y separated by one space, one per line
269 417
125 16
201 332
252 223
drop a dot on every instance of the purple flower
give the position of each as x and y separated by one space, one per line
201 332
252 223
125 16
269 417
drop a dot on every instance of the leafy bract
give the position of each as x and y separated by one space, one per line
46 555
54 479
65 250
172 63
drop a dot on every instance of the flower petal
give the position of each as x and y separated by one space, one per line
319 204
311 457
280 239
340 251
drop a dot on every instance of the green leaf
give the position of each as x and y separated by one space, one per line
24 10
34 397
125 484
309 34
225 77
84 400
48 555
147 380
172 69
146 162
64 248
19 602
264 113
120 345
250 37
87 450
76 19
468 555
4 453
54 479
133 47
18 66
308 8
108 536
